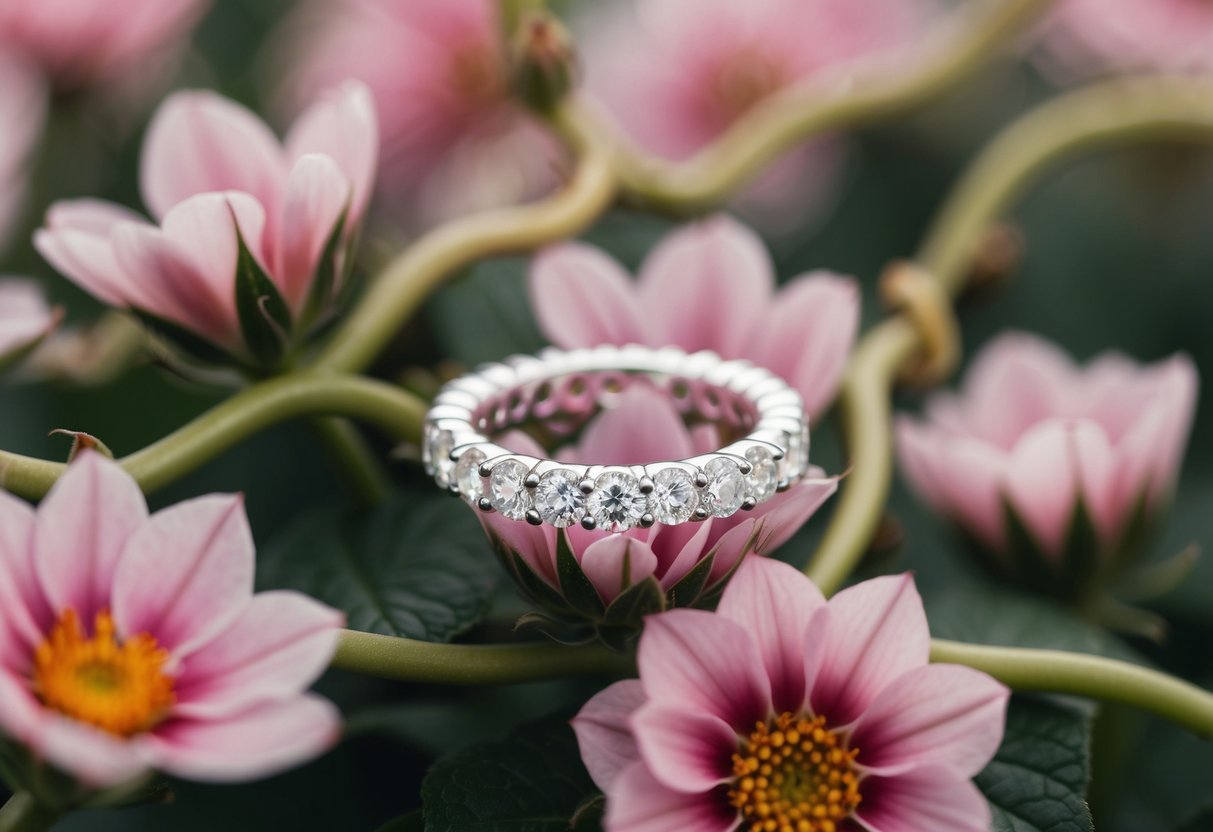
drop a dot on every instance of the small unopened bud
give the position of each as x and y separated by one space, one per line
543 61
997 257
82 441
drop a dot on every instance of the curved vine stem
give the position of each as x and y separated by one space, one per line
1104 115
397 412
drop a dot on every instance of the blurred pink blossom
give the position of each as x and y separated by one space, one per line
1083 38
676 74
1032 429
25 317
22 112
210 169
205 679
707 286
777 670
667 553
93 42
453 138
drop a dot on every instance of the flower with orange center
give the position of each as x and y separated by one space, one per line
781 712
131 642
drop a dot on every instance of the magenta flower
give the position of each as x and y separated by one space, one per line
131 642
454 139
22 111
222 187
25 317
89 42
1083 38
685 564
782 711
1033 438
707 286
676 74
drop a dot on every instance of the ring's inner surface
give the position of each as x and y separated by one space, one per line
561 406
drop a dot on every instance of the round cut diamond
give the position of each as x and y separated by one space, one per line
763 479
616 504
725 491
467 475
436 454
559 498
507 489
674 498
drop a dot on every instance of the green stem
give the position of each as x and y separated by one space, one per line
353 459
1093 677
24 814
399 413
1109 114
962 45
407 281
407 660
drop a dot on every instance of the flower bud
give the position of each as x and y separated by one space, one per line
543 61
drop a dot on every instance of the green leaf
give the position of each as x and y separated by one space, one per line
1037 781
265 320
485 315
532 781
416 566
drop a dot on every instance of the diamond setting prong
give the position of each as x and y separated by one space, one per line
484 505
532 517
588 523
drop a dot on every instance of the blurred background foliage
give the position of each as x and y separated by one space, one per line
1119 254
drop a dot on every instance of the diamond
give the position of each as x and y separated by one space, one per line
674 498
616 504
763 478
467 475
796 460
559 498
725 491
507 489
436 454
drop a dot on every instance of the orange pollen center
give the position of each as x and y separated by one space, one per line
794 775
119 687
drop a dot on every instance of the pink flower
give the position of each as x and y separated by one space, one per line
131 642
25 317
1037 434
84 42
1083 38
454 140
214 175
706 286
677 73
22 112
666 554
836 698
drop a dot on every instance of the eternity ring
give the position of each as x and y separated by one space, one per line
559 392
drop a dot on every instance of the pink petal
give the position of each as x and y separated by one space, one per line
925 798
83 527
278 646
90 754
784 514
971 474
603 734
316 194
26 612
774 603
583 298
187 573
21 714
705 286
740 540
877 632
942 715
680 549
520 442
606 560
76 241
342 126
807 334
1151 451
638 802
918 455
536 545
1014 382
200 142
706 663
249 746
1042 481
612 437
25 316
685 751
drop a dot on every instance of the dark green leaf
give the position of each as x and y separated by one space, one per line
533 781
320 297
417 566
486 315
1037 781
574 583
265 320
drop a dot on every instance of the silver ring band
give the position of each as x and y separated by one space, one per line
560 391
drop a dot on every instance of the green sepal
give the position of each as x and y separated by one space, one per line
1070 577
687 591
192 345
537 590
578 589
328 277
634 603
265 319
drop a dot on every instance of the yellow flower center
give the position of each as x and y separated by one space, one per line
794 775
119 687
